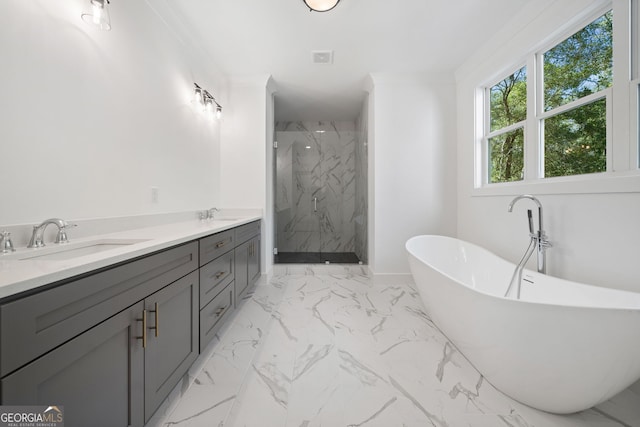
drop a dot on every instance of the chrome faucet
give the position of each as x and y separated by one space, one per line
540 236
211 212
208 214
37 237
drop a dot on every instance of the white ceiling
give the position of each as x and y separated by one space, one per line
277 37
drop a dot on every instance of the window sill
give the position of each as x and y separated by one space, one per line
614 182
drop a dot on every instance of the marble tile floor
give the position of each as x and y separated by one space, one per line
328 346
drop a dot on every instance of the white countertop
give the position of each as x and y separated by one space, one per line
18 276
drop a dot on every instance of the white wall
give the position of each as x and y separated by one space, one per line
412 164
91 120
595 236
245 138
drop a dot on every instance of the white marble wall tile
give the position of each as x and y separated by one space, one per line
286 241
307 241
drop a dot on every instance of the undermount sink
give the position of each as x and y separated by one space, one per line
70 250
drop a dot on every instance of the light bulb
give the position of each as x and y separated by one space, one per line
99 16
97 12
209 107
218 112
198 97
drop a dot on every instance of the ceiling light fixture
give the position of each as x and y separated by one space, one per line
206 101
99 15
321 5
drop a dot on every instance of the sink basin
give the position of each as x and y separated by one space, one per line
71 250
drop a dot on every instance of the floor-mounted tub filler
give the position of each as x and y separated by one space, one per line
562 347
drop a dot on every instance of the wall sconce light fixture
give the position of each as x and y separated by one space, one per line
99 15
206 101
321 5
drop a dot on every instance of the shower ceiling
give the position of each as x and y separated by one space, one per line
276 37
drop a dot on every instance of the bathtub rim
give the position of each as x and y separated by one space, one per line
544 277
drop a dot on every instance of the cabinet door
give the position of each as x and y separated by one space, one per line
242 273
172 339
253 266
97 376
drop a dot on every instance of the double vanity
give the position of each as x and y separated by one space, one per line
109 330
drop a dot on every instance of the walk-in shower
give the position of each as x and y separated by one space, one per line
320 192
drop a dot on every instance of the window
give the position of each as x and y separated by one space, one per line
576 75
559 120
507 114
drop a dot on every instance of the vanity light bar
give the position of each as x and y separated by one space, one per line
206 101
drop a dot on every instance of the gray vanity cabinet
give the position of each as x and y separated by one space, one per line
102 376
110 345
253 265
33 325
98 376
241 283
247 255
81 344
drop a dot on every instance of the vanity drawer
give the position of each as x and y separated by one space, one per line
214 315
247 231
214 276
33 325
213 246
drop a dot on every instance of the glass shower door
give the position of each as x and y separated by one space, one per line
314 194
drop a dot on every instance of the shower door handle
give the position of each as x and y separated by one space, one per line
315 204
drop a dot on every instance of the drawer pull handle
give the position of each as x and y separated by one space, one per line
220 310
144 329
221 244
156 316
219 274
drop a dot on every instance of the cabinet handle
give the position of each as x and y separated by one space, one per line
219 274
156 316
221 243
144 329
220 310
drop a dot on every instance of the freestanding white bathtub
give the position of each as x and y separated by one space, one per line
563 347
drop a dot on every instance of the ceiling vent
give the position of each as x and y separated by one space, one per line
322 56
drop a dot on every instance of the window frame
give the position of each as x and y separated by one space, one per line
623 113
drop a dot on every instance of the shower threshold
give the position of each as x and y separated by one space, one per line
316 258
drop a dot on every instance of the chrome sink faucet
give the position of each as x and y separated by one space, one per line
540 237
208 214
37 237
211 212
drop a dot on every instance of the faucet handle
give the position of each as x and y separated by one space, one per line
7 244
62 237
211 213
544 243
